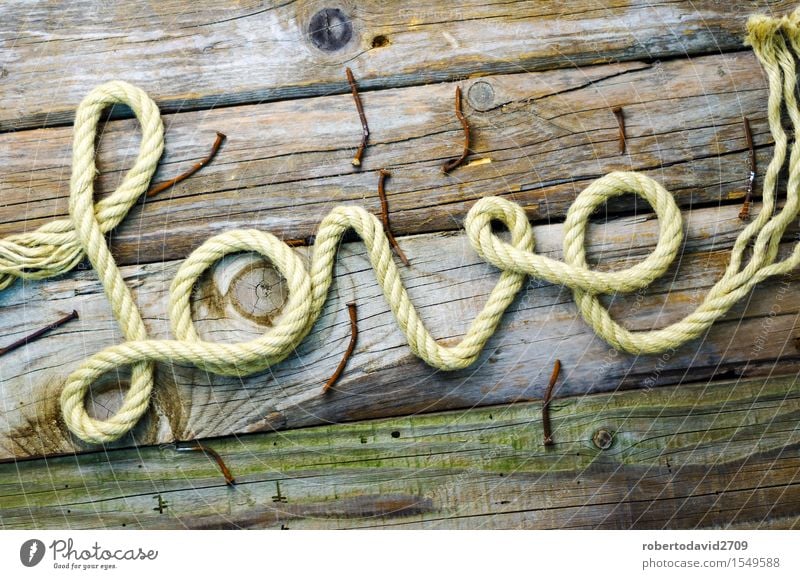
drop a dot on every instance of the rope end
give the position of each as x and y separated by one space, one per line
761 30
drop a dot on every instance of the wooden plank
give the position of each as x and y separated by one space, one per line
286 164
777 524
209 54
706 455
448 282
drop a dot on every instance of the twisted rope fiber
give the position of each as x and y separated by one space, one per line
57 247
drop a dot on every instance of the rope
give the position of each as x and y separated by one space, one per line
57 247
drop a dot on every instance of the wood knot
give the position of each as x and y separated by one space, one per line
330 29
258 292
106 397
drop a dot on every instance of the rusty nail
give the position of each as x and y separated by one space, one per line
450 165
194 169
382 175
197 447
744 214
39 333
621 123
351 309
362 117
548 396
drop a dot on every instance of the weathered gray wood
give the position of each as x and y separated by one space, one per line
712 454
286 164
207 54
706 455
447 281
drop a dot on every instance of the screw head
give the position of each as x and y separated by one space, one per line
603 439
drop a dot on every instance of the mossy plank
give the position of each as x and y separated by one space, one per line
704 455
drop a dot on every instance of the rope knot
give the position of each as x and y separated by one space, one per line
487 243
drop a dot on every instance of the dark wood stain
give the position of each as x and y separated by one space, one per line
330 29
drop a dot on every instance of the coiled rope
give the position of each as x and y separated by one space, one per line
57 247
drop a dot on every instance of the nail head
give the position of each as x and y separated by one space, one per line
603 439
481 96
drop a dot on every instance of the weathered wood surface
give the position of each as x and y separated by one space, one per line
205 54
708 455
712 454
448 282
286 164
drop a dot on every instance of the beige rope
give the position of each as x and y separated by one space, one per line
57 247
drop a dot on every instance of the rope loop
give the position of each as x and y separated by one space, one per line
574 271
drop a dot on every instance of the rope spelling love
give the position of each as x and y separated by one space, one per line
58 246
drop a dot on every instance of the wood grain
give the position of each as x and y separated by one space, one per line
449 284
709 455
207 54
538 139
